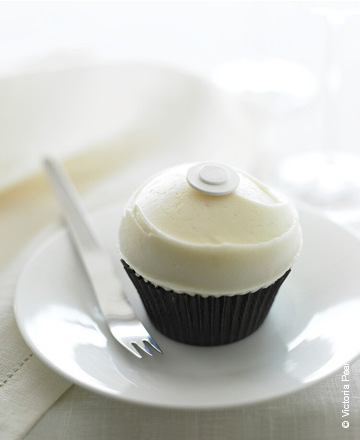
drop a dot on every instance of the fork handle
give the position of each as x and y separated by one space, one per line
93 255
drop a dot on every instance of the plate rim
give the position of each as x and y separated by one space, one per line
54 235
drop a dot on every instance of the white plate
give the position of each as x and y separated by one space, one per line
311 331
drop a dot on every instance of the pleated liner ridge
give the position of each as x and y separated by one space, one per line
198 320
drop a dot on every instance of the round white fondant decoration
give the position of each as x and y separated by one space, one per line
213 179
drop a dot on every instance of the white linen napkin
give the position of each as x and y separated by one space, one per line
27 386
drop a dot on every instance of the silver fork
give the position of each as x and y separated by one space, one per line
118 314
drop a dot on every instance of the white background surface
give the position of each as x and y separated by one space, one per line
198 36
38 37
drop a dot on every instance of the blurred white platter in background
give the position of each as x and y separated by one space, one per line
138 107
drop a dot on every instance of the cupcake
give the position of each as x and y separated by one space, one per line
207 248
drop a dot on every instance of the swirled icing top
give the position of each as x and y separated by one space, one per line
182 239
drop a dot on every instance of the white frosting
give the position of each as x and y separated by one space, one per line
184 240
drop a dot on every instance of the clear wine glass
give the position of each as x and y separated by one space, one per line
272 85
328 179
261 91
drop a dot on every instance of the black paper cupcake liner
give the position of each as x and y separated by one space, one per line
198 320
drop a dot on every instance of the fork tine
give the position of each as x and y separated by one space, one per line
141 345
153 344
131 349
